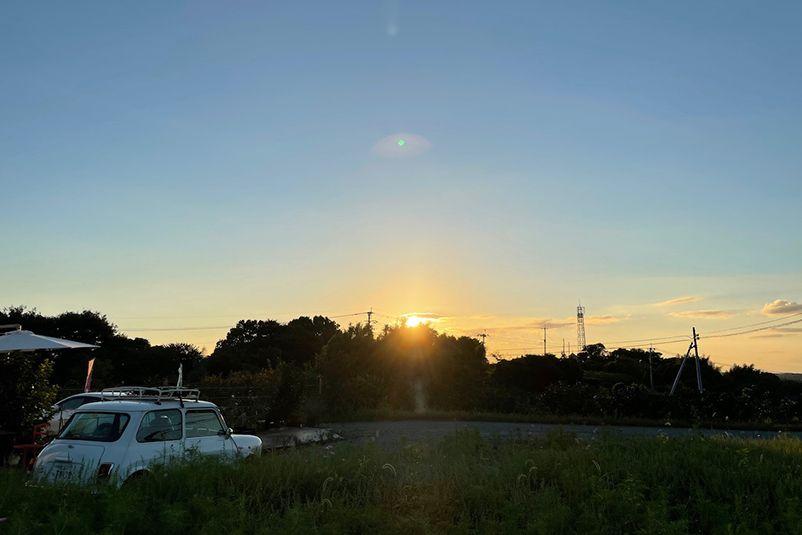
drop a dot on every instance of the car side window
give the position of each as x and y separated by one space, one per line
73 403
203 423
158 426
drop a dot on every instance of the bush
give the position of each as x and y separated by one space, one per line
26 395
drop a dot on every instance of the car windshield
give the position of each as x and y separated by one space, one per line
97 426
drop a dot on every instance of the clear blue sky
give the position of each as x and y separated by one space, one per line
181 159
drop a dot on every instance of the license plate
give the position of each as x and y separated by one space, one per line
62 472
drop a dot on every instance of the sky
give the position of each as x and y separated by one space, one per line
181 165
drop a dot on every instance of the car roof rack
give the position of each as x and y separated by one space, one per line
154 393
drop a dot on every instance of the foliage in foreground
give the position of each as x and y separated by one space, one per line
462 484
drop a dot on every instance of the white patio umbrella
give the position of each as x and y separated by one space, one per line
20 340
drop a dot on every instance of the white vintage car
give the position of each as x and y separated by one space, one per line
133 428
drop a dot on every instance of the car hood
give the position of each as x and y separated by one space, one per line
68 462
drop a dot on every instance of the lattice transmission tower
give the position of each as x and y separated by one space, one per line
580 327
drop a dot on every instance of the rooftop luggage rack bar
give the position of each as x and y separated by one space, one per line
156 393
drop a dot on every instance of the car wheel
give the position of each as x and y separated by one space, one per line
136 477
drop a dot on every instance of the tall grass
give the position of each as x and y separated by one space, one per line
461 484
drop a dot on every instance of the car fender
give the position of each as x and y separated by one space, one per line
247 445
133 476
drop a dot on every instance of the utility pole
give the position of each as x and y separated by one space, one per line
370 323
698 362
482 336
563 353
651 377
695 346
544 341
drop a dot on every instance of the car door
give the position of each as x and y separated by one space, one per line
205 434
158 439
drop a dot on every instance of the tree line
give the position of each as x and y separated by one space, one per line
309 369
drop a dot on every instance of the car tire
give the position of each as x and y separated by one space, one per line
136 477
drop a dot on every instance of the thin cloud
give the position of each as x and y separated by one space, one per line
424 315
550 323
678 301
703 314
516 330
529 325
781 306
602 320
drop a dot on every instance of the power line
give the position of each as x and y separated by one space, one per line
758 323
669 341
168 329
756 330
684 337
648 345
347 315
387 316
681 337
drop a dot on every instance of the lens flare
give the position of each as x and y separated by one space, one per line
401 145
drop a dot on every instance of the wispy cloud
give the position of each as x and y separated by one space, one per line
559 323
678 301
424 315
781 306
526 324
703 314
553 323
604 320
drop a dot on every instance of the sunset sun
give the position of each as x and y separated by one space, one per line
414 320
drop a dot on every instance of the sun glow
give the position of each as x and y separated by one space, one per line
414 320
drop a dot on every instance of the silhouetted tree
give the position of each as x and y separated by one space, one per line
254 345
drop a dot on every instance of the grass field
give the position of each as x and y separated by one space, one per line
461 484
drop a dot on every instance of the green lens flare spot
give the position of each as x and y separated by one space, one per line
401 142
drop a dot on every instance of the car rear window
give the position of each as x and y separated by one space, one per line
96 426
